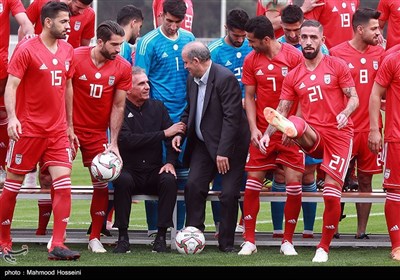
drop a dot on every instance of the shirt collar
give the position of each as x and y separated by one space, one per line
204 78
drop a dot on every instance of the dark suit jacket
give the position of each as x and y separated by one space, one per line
224 124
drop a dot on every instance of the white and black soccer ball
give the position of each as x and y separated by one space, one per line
275 4
190 240
106 166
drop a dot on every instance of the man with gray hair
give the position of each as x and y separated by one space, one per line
218 137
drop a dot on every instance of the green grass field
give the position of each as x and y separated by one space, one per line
26 217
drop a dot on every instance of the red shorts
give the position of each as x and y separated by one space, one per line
367 161
277 153
3 68
91 144
391 174
3 144
23 155
334 147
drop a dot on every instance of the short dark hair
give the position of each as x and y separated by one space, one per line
177 8
261 27
86 2
51 10
292 14
237 18
127 14
313 23
363 16
107 28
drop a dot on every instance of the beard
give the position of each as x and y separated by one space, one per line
310 55
107 55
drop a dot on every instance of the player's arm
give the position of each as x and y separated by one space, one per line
251 112
116 118
85 42
10 96
69 95
375 137
352 104
275 17
26 25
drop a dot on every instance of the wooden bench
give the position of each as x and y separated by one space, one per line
86 192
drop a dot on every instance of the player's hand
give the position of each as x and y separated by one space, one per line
222 164
168 168
176 143
342 120
264 143
375 141
14 129
174 129
309 5
113 148
255 136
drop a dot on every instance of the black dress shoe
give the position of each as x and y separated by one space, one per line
228 249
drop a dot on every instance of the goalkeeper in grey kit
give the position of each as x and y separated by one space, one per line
146 126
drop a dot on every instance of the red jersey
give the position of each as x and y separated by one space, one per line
320 91
187 21
40 103
267 76
363 68
7 6
82 25
390 12
261 10
388 76
94 88
335 16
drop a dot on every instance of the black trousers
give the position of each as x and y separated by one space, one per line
202 171
132 182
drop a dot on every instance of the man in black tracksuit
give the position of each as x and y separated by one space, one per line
146 125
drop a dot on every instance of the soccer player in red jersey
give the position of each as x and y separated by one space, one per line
263 72
158 12
101 78
386 84
40 123
335 16
82 20
324 87
390 14
362 54
18 11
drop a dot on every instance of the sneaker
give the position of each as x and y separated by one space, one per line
361 236
320 256
160 245
287 249
248 249
95 246
5 248
280 122
51 240
123 246
63 254
239 228
396 254
152 233
336 235
109 226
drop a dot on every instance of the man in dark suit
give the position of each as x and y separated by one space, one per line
218 138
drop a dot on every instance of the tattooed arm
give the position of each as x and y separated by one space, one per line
343 117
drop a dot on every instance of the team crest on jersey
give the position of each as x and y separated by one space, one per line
353 7
67 66
285 70
77 25
327 79
1 7
387 174
18 158
111 80
375 64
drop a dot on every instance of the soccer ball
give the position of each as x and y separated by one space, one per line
106 166
274 4
190 240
